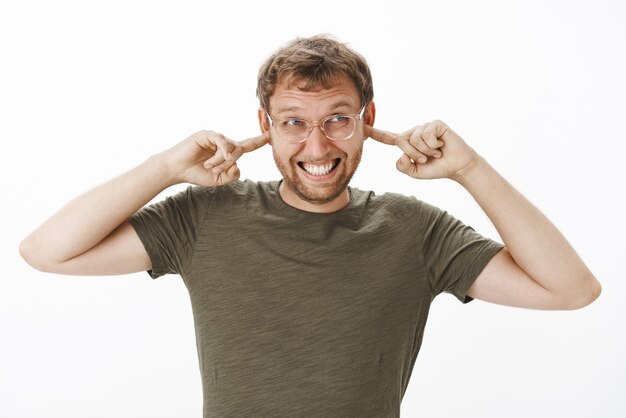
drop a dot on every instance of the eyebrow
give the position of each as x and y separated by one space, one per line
342 103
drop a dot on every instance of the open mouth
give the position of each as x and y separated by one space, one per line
319 169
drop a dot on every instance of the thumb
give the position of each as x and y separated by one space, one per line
405 165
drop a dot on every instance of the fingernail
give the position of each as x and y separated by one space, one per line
216 170
421 160
438 155
208 166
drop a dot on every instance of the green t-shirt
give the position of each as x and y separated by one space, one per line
302 314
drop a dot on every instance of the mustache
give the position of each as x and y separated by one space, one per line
326 157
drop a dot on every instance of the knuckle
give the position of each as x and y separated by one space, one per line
420 145
200 135
237 152
416 155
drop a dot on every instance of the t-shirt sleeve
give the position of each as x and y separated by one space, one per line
168 229
453 252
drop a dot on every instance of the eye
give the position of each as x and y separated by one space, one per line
293 123
338 119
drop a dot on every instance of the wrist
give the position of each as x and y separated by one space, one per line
472 172
162 170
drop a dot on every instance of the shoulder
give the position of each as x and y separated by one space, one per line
390 202
399 212
236 192
242 189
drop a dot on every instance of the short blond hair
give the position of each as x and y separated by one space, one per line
318 61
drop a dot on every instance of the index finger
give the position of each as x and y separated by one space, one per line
257 142
385 137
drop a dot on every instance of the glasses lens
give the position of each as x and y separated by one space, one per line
336 128
293 130
339 127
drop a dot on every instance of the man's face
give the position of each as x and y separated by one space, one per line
316 172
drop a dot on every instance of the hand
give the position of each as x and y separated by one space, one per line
208 158
431 151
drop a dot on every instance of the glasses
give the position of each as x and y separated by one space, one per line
338 127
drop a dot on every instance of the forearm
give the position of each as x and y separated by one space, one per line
88 219
535 244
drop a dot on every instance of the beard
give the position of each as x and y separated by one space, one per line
324 192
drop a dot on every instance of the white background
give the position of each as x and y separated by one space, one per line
90 89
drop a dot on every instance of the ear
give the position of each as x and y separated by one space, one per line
264 122
369 115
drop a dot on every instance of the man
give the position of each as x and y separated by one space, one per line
310 297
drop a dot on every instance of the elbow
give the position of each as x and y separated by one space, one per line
28 253
588 292
32 254
595 289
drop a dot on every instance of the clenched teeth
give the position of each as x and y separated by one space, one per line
319 169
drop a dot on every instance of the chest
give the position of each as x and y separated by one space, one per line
303 282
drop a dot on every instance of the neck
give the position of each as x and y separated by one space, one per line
290 198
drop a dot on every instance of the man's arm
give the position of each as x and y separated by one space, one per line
538 268
91 234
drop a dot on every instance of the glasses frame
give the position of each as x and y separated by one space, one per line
312 124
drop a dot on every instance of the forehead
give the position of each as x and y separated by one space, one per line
298 94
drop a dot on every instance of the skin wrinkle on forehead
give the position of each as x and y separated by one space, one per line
295 109
295 100
307 85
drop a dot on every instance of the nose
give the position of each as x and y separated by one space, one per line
317 145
